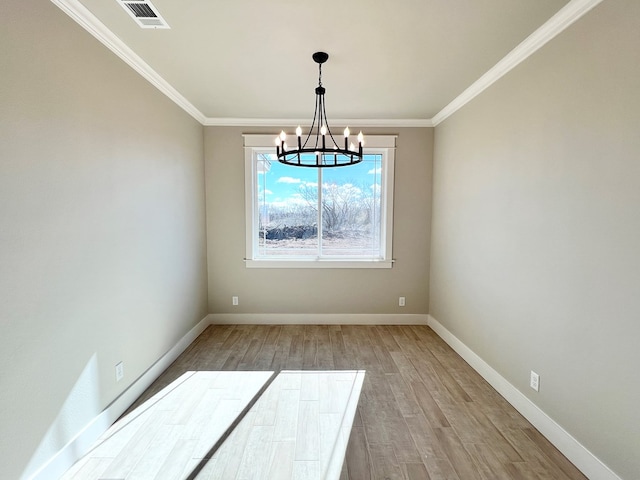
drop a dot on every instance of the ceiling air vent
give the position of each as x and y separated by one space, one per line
144 13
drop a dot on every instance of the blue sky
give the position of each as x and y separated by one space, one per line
282 183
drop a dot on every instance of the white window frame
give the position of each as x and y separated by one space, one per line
379 144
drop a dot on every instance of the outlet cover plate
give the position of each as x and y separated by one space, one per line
534 382
119 371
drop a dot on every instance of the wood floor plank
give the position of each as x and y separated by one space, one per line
227 463
521 471
282 459
427 371
283 346
176 461
387 338
465 426
344 473
428 405
416 471
552 453
309 429
231 340
286 420
324 353
404 395
357 459
237 353
441 469
384 463
255 455
296 350
402 442
460 459
309 356
424 438
533 456
264 358
125 461
342 357
406 367
505 451
487 463
387 365
247 362
453 387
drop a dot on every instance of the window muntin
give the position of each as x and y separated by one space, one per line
338 217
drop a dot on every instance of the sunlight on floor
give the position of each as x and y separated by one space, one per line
298 428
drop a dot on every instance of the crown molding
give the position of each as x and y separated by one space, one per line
567 15
87 20
339 122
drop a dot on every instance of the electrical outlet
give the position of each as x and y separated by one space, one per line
234 300
119 371
534 382
401 301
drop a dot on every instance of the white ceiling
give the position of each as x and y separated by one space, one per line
394 60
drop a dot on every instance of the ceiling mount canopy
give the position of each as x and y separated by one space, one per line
320 149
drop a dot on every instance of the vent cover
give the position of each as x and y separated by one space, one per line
144 13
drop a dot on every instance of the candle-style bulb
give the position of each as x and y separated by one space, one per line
352 147
283 136
284 146
360 138
299 137
323 130
346 132
277 141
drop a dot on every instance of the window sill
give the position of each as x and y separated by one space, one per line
317 263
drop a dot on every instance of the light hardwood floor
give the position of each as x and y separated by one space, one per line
423 412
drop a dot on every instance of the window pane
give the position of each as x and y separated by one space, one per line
287 208
351 209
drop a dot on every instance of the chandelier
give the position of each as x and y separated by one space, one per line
320 149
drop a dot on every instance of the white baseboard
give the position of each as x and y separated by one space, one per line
84 439
571 448
316 319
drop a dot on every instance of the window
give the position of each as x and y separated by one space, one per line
319 217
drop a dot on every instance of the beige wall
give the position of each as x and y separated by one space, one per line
102 229
317 290
536 230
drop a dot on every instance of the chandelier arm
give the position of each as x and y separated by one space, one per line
329 129
315 114
322 119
